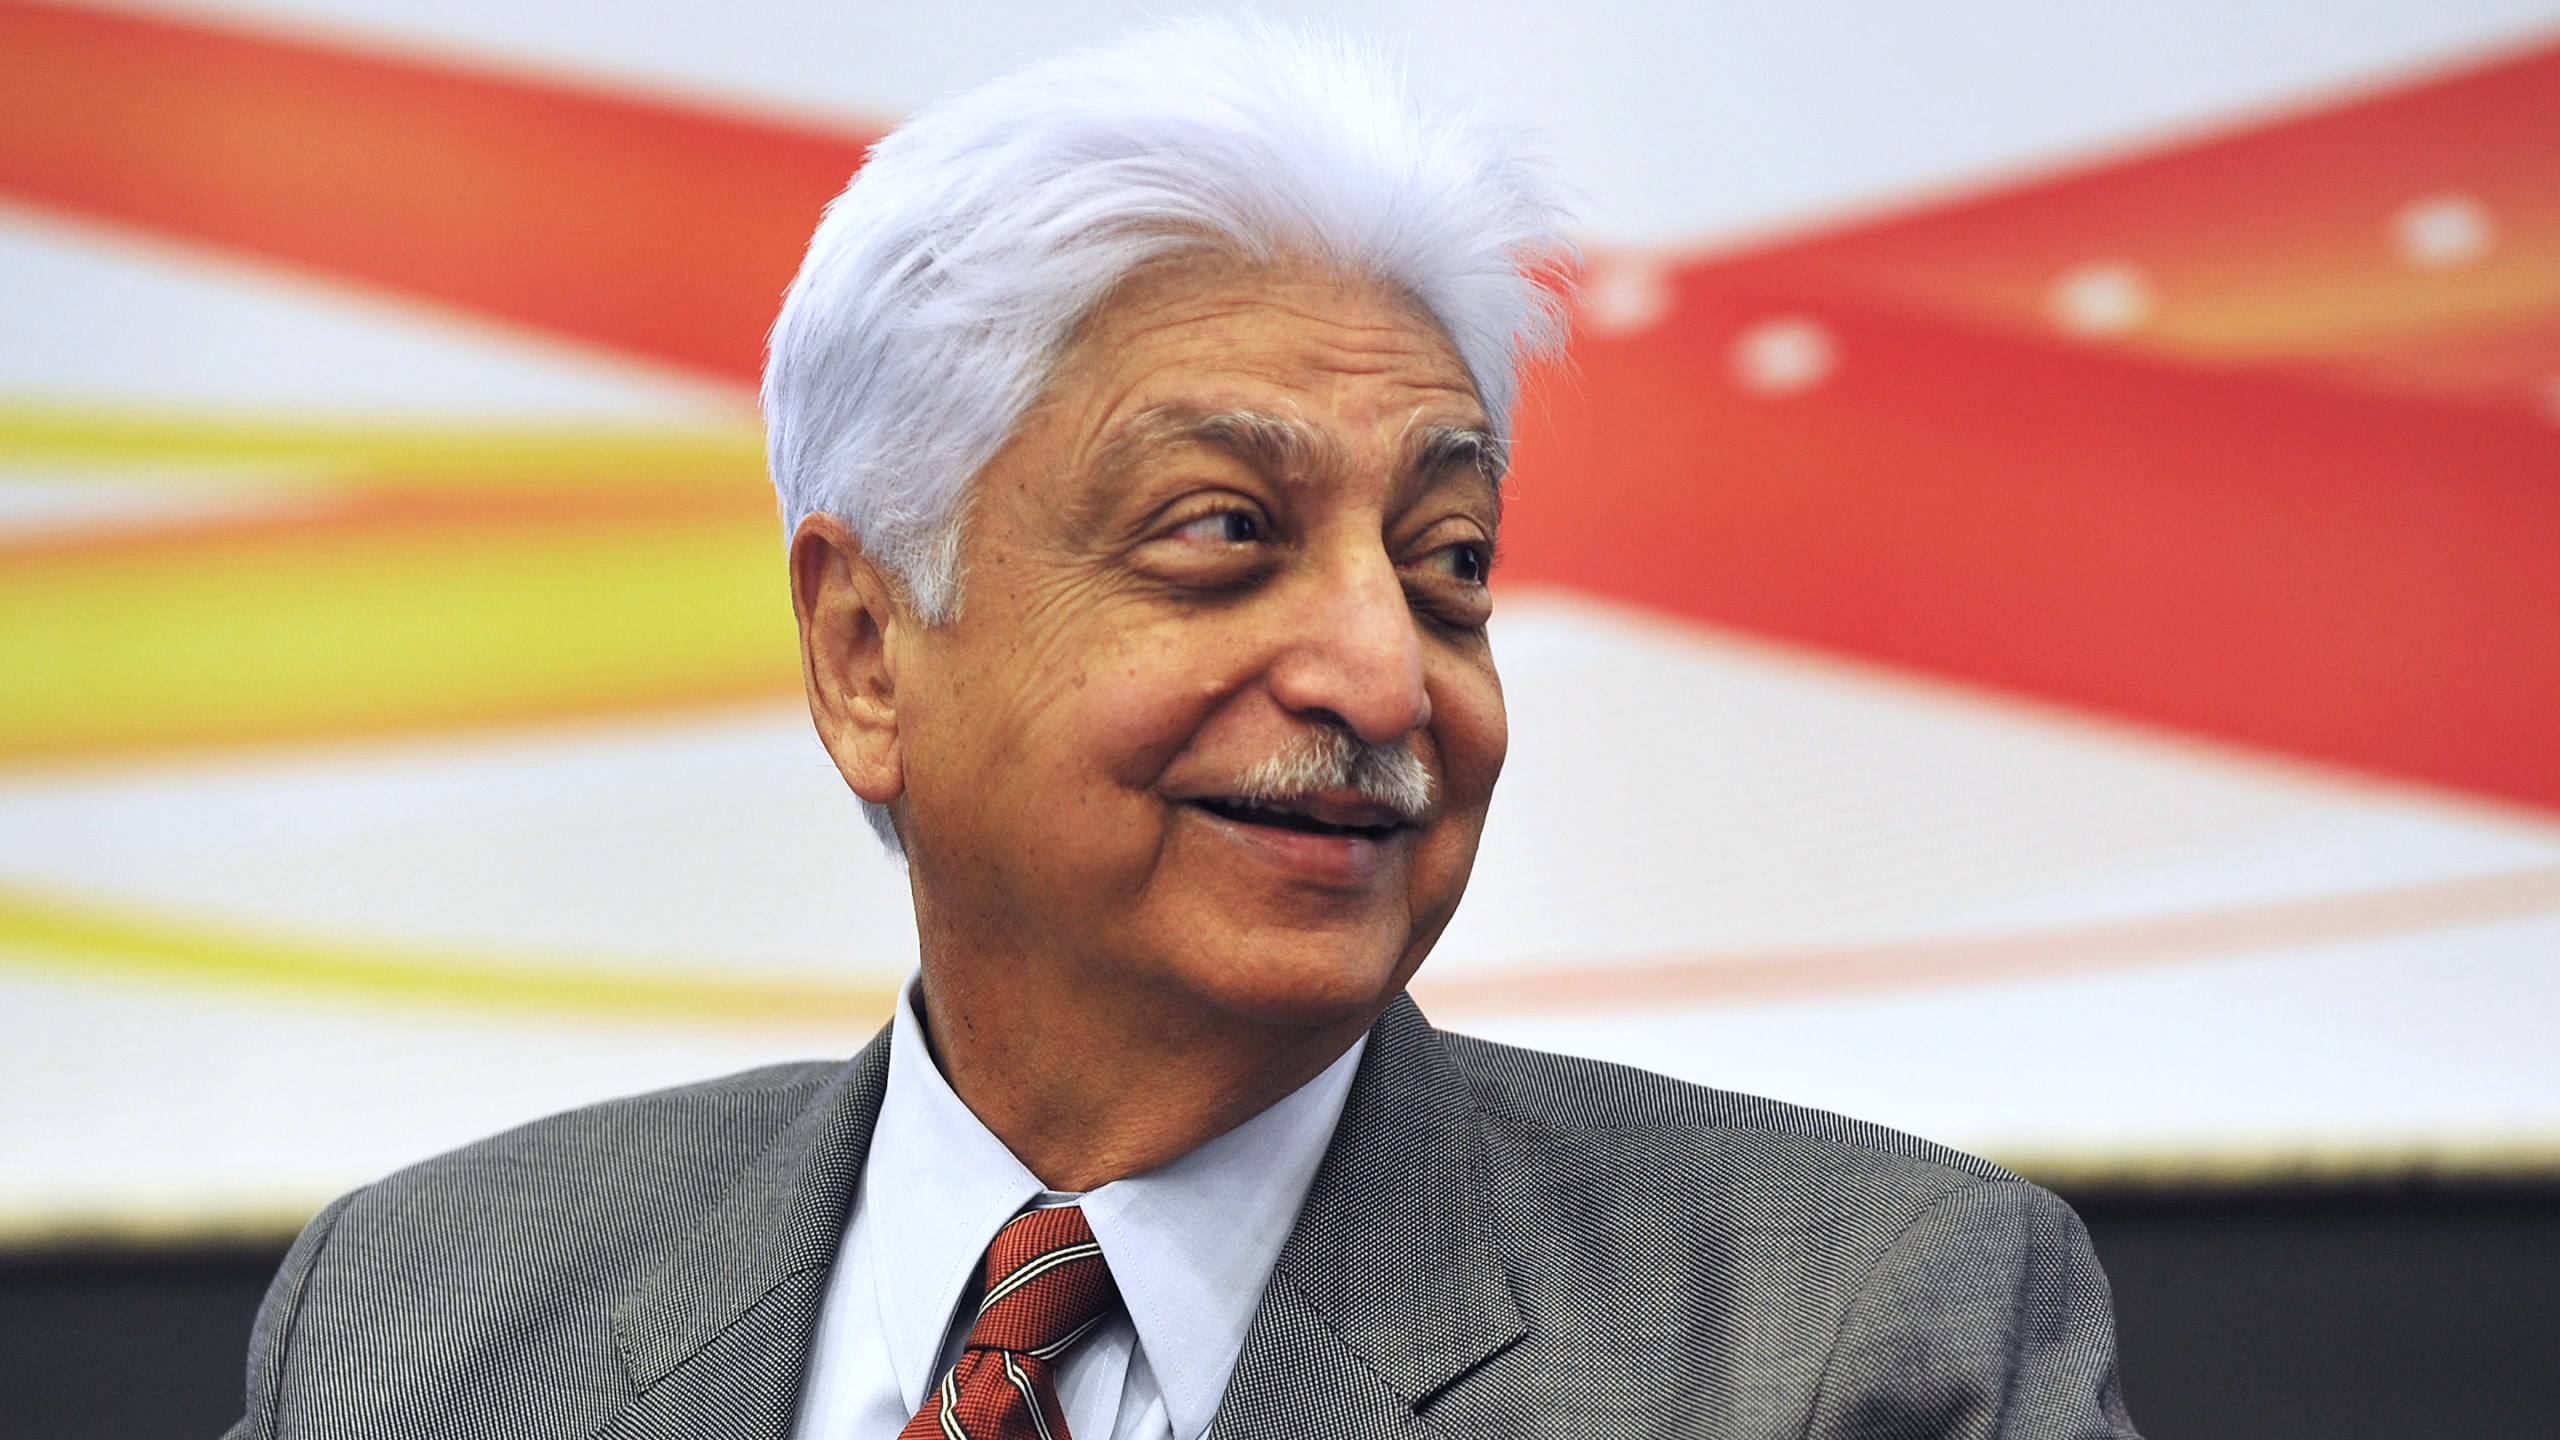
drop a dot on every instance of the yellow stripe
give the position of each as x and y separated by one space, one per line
330 634
446 458
394 619
90 940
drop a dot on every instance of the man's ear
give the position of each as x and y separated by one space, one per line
851 617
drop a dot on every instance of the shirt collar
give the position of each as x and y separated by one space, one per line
1190 1243
938 1185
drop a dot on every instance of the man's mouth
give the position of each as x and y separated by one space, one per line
1282 815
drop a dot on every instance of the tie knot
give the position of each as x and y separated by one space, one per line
1046 1284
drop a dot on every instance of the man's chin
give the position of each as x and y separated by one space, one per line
1296 981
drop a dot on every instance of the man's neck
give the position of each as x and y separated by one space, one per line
1090 1088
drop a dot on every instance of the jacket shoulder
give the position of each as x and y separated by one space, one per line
646 1148
664 1121
1565 1095
1798 1258
482 1282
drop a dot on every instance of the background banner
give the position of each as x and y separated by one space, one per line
2031 612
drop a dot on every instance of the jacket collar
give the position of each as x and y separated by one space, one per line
722 1329
1392 1286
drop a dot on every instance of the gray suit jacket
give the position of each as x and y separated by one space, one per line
1499 1243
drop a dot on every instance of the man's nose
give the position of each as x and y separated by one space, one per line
1354 656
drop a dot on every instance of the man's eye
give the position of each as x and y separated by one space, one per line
1227 527
1467 564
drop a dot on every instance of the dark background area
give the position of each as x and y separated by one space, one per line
2341 1312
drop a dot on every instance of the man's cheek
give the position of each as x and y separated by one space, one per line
1474 744
1144 714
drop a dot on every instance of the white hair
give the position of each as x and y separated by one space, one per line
943 285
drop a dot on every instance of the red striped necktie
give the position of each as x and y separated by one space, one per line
1047 1285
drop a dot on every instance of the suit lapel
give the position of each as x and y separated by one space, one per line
1392 1285
1390 1289
717 1340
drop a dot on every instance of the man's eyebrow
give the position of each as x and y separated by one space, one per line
1277 446
1435 448
1283 446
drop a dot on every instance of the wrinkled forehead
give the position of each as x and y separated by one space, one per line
1293 370
1281 321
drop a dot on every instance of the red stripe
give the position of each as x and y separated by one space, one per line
664 231
2362 580
2287 547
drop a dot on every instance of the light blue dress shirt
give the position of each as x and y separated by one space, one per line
1191 1244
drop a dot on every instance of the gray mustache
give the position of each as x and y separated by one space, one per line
1325 758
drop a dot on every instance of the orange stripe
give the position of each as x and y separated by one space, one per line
655 229
91 939
2131 944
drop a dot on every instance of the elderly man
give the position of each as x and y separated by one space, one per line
1140 422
